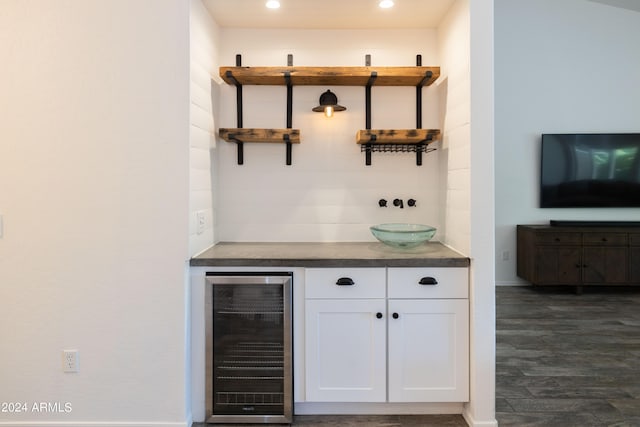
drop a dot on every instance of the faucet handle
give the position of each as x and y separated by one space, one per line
411 202
382 203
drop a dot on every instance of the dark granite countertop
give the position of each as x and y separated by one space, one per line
341 254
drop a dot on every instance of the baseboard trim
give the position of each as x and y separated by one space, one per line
507 283
476 423
341 408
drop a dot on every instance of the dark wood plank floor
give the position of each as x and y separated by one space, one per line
563 360
568 360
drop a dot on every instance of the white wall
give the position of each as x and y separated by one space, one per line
94 196
569 66
327 194
482 290
466 49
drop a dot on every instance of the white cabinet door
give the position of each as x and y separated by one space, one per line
345 350
428 350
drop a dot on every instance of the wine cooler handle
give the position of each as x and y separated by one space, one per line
345 281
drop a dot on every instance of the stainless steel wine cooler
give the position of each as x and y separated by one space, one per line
249 364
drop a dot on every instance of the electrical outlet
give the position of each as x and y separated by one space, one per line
505 256
70 360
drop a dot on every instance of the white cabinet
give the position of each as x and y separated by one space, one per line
345 335
396 335
428 345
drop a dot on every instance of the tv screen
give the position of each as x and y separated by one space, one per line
590 170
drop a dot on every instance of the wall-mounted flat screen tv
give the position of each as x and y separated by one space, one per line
590 170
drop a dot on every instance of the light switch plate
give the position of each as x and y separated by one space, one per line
200 222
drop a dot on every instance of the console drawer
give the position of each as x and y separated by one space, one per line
605 239
558 238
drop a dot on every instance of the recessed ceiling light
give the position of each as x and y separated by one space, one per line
386 4
273 4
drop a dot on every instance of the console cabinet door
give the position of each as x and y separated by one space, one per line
345 350
428 350
605 265
605 258
558 265
635 265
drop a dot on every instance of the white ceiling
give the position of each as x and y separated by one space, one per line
328 14
342 14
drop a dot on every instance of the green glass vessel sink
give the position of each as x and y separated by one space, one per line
401 235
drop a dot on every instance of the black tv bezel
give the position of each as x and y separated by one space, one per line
547 205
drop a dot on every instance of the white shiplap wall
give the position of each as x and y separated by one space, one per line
203 91
327 194
453 37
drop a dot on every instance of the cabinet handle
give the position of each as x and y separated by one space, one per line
379 315
345 281
428 281
395 315
604 239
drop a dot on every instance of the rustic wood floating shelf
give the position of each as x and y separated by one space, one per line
330 76
396 136
396 140
260 135
242 135
380 140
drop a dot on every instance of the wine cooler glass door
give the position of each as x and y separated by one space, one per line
251 379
